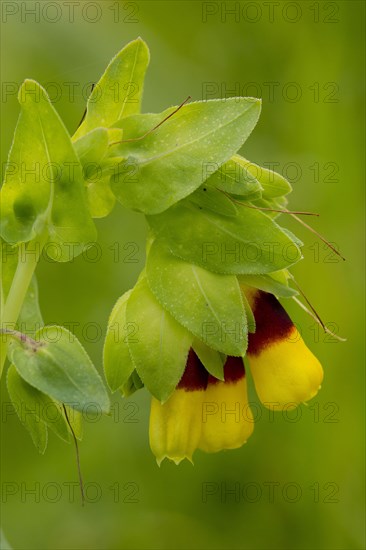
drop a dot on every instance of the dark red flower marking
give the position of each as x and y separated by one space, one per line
195 375
272 322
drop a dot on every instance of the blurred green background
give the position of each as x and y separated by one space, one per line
310 55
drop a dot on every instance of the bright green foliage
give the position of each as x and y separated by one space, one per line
38 412
234 177
247 244
159 346
269 283
248 310
56 364
118 93
93 152
273 184
133 384
271 207
118 365
212 360
100 197
91 148
194 297
53 196
177 158
28 403
208 236
213 199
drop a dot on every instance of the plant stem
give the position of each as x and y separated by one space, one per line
27 263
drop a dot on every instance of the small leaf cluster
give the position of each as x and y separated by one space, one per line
211 217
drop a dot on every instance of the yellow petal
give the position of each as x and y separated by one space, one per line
175 426
203 412
227 420
285 372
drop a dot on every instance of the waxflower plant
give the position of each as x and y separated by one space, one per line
207 299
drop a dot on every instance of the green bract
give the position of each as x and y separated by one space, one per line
274 283
25 399
212 198
212 360
273 184
38 412
160 345
118 365
44 184
249 243
208 236
179 285
119 91
235 178
177 158
92 150
56 364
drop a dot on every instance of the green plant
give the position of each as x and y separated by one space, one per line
216 259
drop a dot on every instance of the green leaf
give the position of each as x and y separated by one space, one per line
138 383
211 359
293 237
160 345
54 416
56 364
207 304
101 200
176 158
27 401
34 407
273 184
92 150
119 91
30 318
268 283
272 207
233 177
248 312
44 183
250 243
213 199
283 276
118 364
133 384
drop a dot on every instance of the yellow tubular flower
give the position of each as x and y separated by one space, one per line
227 420
284 370
175 426
203 412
